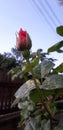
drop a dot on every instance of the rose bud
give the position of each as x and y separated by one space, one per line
23 41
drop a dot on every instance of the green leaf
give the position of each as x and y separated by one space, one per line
28 127
59 30
53 85
25 89
56 47
46 126
16 70
24 113
46 67
35 124
32 125
35 97
53 82
37 71
34 62
43 68
59 69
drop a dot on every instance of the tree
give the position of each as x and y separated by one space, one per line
7 61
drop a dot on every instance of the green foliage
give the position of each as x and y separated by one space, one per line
53 82
59 30
56 47
7 61
59 69
26 54
46 67
44 94
37 96
34 96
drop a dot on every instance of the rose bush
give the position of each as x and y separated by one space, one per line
43 84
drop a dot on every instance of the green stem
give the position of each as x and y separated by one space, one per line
39 94
34 80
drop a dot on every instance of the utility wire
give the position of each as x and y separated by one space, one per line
60 2
49 6
47 12
43 14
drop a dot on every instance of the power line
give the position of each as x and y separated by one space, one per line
60 2
49 6
43 14
47 12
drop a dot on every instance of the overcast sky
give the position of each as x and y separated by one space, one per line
39 17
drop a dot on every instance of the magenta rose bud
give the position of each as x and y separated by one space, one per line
23 41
